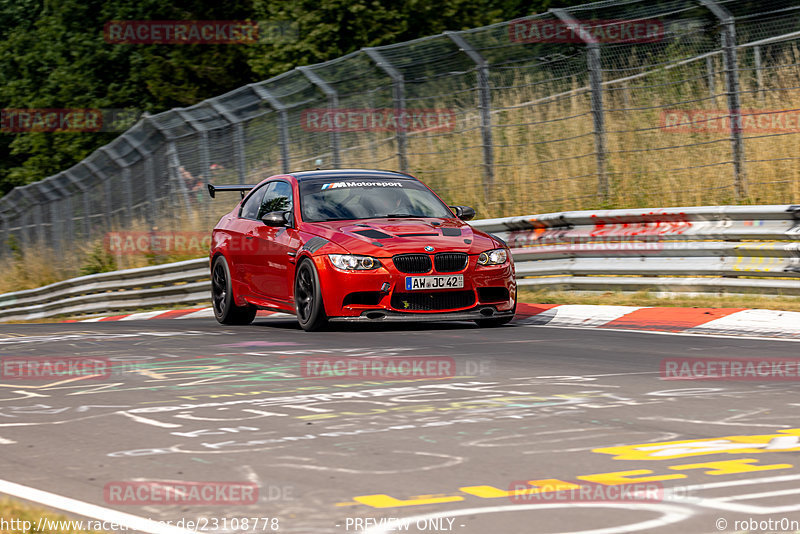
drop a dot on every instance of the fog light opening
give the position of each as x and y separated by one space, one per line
376 315
487 312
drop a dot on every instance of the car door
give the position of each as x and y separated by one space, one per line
272 268
242 244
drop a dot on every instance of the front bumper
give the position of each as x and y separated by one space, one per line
338 285
390 316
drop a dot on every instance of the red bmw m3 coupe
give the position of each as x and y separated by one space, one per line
356 245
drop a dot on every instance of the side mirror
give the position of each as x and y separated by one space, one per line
465 213
276 218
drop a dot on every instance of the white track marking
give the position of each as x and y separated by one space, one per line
756 322
142 315
589 315
84 509
669 514
199 314
4 441
147 421
731 337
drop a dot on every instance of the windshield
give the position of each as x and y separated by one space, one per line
341 199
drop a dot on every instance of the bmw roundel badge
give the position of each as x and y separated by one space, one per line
428 248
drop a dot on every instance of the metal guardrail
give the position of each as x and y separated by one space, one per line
719 249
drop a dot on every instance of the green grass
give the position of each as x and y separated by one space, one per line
11 510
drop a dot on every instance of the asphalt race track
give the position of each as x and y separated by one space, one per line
527 411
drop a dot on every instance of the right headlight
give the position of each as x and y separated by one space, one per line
497 256
352 262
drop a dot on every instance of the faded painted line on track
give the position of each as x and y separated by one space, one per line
84 509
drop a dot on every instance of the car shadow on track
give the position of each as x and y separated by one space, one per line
291 324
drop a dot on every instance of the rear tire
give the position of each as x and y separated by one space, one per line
308 297
225 309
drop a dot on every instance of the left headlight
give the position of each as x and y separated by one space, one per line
497 256
351 262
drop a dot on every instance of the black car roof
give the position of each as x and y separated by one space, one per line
350 173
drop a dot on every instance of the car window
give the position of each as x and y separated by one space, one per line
366 198
250 208
277 198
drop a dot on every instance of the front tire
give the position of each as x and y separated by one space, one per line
308 297
225 309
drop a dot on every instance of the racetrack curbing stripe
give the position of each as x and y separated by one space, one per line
726 321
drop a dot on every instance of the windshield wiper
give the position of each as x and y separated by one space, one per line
402 215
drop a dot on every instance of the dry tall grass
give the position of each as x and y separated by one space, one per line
544 153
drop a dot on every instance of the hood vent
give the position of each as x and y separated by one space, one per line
373 234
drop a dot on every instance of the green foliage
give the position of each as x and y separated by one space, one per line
53 55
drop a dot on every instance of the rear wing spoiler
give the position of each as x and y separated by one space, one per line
212 189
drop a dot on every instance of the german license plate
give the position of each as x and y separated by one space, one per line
434 282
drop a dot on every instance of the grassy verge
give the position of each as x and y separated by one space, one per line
15 514
646 298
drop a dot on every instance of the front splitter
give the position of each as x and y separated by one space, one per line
386 316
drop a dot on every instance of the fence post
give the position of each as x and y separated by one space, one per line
485 108
127 191
731 67
174 170
36 235
66 213
710 76
106 192
149 175
283 123
596 88
759 74
398 102
333 105
238 140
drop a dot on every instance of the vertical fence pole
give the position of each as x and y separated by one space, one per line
85 198
67 215
238 140
333 105
106 184
731 67
283 123
596 87
712 89
150 190
759 74
174 170
485 108
398 102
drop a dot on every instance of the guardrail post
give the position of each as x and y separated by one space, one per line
596 88
333 105
484 106
398 102
731 67
283 123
